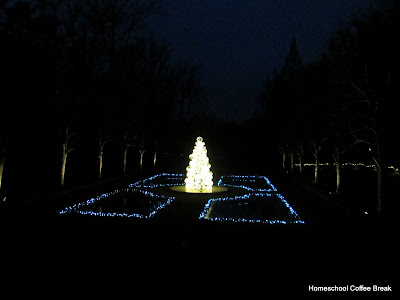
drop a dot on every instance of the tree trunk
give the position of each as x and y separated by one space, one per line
154 158
100 163
316 170
141 159
338 175
64 163
338 167
283 160
2 162
66 148
125 156
291 162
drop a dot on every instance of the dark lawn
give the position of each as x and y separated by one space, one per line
45 255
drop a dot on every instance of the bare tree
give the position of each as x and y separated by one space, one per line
142 150
338 166
292 151
339 143
283 150
337 158
291 156
129 141
316 146
67 147
156 146
315 152
367 123
102 142
369 136
300 153
337 154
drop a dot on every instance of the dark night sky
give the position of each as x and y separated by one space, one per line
239 42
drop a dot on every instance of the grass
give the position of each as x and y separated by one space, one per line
45 255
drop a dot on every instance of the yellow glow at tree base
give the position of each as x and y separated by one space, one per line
183 189
199 176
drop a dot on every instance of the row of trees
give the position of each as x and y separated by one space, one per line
75 72
140 141
344 104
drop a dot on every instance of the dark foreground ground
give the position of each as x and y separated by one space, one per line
48 256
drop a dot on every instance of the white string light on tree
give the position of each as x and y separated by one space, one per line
199 176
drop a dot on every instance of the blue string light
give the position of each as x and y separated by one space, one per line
177 179
138 186
77 208
224 181
293 216
346 164
146 185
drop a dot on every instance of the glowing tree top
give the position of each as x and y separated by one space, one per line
199 176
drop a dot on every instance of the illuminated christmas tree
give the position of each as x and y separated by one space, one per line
199 176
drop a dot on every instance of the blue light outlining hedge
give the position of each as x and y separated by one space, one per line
77 208
148 182
139 186
165 179
246 179
293 214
